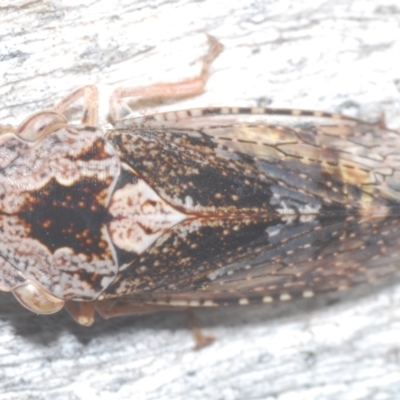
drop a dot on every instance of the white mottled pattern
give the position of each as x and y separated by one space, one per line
141 216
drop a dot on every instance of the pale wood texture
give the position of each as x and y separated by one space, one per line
340 55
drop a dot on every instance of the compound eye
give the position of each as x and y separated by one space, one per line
41 124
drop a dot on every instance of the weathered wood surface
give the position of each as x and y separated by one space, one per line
330 55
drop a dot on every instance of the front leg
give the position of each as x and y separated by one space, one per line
42 123
90 96
121 97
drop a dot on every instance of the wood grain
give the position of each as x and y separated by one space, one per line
329 55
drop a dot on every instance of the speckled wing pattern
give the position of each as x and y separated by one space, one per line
279 204
203 207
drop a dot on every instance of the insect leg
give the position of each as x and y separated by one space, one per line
201 339
189 87
90 96
117 307
81 311
41 124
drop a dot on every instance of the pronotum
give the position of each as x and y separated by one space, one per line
195 208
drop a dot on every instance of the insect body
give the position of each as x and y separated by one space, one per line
195 208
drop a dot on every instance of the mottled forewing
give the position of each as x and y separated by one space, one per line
312 204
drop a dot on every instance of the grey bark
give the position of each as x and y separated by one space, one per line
331 55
